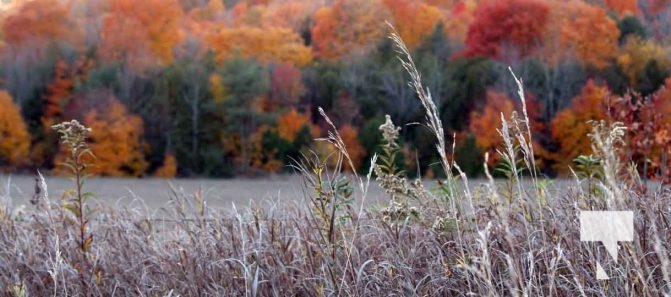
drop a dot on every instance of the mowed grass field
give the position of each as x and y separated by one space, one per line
152 194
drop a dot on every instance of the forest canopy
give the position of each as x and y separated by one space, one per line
232 87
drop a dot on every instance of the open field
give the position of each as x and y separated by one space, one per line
154 193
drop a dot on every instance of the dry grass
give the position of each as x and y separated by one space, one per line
502 239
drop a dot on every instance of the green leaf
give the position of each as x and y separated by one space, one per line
72 208
69 166
69 192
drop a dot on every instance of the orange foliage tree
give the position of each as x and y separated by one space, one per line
591 33
413 20
39 21
623 7
275 44
348 27
277 146
59 91
141 32
484 124
195 27
504 25
250 15
356 152
15 140
115 140
169 167
238 13
350 137
290 123
211 11
570 126
287 14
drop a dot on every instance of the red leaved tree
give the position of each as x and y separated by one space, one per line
623 7
286 86
648 137
506 29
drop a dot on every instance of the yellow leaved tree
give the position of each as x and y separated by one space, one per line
637 53
349 27
414 20
14 137
273 44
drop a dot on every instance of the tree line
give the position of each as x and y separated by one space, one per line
224 88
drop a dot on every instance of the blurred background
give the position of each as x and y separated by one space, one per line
223 88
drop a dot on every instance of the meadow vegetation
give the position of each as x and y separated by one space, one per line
497 239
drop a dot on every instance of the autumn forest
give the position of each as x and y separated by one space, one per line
221 88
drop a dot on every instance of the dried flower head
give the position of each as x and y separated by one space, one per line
607 137
389 131
444 224
397 211
73 134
